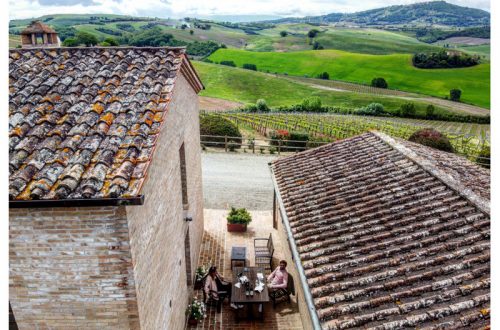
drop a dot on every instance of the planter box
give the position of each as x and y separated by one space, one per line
193 322
236 227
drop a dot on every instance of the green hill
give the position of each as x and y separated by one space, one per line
248 86
417 14
362 68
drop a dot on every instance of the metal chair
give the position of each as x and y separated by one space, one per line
280 295
209 300
264 252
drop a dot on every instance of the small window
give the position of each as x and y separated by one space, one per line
182 157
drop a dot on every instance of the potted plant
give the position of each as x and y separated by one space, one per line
201 271
238 219
195 311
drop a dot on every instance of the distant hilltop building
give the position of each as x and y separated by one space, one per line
38 34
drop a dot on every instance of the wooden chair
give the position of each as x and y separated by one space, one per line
280 295
209 299
264 250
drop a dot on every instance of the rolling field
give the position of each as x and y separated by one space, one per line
362 68
368 41
247 86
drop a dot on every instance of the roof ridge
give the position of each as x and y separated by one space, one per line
95 48
478 201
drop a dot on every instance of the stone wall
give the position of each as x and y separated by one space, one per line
158 228
71 268
292 270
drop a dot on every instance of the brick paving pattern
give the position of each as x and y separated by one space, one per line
216 249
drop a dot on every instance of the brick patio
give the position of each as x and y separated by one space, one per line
216 249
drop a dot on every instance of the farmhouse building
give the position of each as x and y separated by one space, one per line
106 210
38 34
386 234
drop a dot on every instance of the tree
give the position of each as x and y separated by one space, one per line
324 76
184 26
86 39
261 105
312 104
283 33
249 66
228 63
455 94
408 110
110 42
431 138
70 42
312 33
191 32
317 46
379 82
429 111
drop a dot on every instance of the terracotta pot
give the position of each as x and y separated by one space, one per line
192 321
236 227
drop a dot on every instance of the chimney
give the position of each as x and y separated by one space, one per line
38 35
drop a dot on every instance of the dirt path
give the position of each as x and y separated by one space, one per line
215 104
450 105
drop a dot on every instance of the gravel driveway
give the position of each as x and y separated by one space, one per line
237 180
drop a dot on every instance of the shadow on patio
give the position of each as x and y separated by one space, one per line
216 250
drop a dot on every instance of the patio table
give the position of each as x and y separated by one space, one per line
238 294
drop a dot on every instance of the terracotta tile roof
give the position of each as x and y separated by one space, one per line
83 122
384 242
37 27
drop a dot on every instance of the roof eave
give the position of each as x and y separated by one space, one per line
190 74
77 202
296 257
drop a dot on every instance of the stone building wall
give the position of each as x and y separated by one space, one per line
158 228
71 268
292 270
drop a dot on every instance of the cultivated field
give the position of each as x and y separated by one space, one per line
362 68
467 139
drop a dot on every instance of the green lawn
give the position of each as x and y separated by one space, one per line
362 68
247 86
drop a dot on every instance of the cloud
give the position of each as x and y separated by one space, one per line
178 9
66 2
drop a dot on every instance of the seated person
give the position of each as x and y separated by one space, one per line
215 284
278 278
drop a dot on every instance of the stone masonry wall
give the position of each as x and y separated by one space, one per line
158 228
292 270
71 268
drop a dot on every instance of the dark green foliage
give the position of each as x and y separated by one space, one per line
154 37
283 33
202 48
311 104
323 75
282 138
191 32
444 59
228 63
109 31
379 82
408 110
202 26
87 39
149 26
372 109
66 32
70 42
431 35
239 216
299 140
317 46
432 138
111 41
455 94
215 125
250 66
484 156
429 111
125 27
184 26
312 33
261 105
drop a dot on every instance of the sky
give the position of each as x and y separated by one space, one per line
191 8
